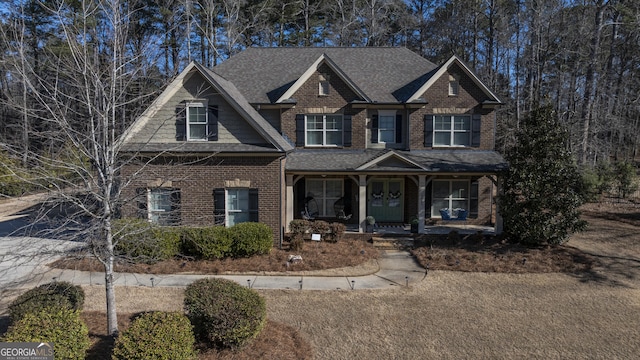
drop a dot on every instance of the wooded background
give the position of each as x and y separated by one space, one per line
581 56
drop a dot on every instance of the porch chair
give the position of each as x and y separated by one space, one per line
338 208
460 215
310 208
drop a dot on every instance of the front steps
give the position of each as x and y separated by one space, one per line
392 242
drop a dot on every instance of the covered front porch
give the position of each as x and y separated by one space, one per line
393 188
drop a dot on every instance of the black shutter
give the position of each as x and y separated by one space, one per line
398 128
174 217
346 126
141 200
428 130
253 205
299 129
374 129
476 122
219 207
212 121
181 123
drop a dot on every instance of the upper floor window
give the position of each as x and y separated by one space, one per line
197 128
195 121
451 130
323 130
387 127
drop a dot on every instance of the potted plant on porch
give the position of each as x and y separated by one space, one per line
414 224
371 221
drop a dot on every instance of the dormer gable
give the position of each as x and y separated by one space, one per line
455 69
323 80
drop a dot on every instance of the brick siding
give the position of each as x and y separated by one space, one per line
198 180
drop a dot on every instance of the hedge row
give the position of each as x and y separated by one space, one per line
142 241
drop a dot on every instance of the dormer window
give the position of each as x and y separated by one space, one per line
454 85
323 85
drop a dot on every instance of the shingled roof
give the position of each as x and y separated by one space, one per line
384 74
449 161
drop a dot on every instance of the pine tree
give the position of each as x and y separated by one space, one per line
542 186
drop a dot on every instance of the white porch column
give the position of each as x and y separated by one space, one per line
499 227
289 201
362 203
422 192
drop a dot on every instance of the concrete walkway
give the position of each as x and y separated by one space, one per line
397 268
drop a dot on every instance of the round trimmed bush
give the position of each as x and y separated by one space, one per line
251 238
156 335
62 327
60 294
224 313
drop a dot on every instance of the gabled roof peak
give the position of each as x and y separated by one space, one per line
322 59
454 59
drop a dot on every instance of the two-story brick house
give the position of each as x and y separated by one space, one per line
271 132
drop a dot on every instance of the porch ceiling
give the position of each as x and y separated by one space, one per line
432 161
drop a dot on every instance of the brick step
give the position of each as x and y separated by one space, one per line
390 243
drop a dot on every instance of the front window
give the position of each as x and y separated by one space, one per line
325 192
323 130
451 130
197 127
450 194
162 205
387 127
237 206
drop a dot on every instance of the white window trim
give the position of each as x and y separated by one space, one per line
226 205
150 210
452 131
198 104
387 113
450 198
324 131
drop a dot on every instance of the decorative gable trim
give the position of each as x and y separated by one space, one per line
386 156
441 71
323 59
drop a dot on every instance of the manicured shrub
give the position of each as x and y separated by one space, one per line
296 243
156 335
299 226
62 327
207 243
60 294
142 241
224 313
251 238
336 230
320 227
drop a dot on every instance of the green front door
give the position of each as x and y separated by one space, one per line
385 200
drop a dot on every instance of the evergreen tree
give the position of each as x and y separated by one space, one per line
542 186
